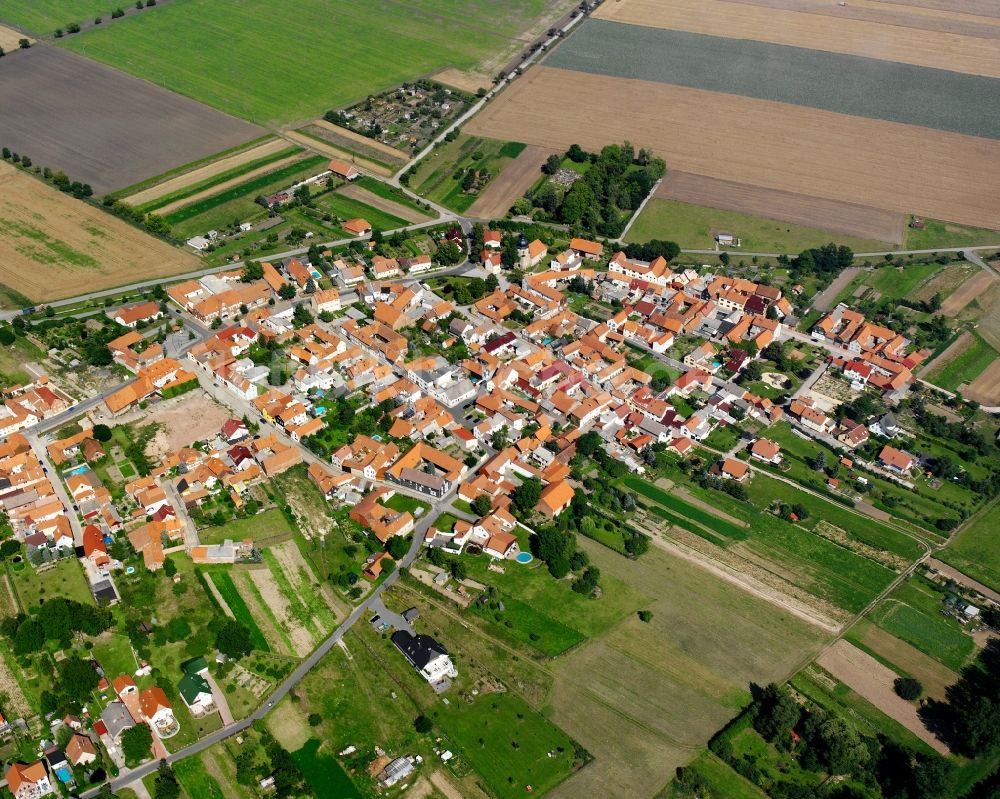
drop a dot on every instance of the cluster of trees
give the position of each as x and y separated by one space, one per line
232 638
823 261
651 250
467 290
731 487
970 716
827 744
165 785
61 619
277 762
614 185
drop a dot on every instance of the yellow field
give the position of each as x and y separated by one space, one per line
54 246
911 35
871 162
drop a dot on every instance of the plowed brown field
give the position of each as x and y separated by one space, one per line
972 288
886 165
53 246
515 179
952 41
985 389
799 209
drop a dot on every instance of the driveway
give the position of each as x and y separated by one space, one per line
397 621
220 700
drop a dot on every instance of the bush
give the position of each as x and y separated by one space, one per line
422 724
908 688
646 616
102 432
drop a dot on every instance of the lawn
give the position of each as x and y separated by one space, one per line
114 653
64 579
913 613
445 522
527 624
692 226
965 367
178 46
347 208
323 773
402 502
223 582
271 525
535 751
196 781
976 550
720 779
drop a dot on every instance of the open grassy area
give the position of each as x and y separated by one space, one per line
323 773
525 624
387 192
114 652
13 358
948 234
671 502
267 526
720 779
893 283
44 16
346 208
223 582
965 367
178 47
63 579
403 502
196 781
439 176
976 550
692 226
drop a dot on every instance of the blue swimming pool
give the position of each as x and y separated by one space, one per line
78 470
523 557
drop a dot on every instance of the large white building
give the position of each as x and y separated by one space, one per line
426 655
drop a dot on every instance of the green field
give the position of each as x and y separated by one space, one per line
64 579
439 178
913 613
346 208
948 234
497 723
976 550
268 525
965 367
223 582
331 53
323 773
528 624
692 226
680 507
893 283
248 191
216 180
721 780
388 192
44 16
196 781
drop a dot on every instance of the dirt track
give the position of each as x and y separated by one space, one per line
515 179
847 218
369 198
972 288
953 41
205 172
869 678
53 246
756 142
824 301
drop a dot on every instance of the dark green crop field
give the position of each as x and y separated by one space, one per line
864 87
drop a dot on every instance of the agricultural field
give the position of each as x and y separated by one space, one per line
518 176
54 246
820 153
975 549
936 233
962 363
861 223
331 140
177 47
104 127
223 583
439 177
864 87
44 16
695 226
909 33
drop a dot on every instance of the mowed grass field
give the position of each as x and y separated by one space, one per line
976 549
323 54
54 246
44 16
756 142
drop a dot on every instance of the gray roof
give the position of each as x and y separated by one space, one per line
117 719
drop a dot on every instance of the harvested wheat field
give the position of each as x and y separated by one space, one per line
54 246
971 289
985 389
515 179
923 37
470 82
10 38
868 678
785 206
757 142
934 675
205 172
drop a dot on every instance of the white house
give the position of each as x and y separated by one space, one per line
426 655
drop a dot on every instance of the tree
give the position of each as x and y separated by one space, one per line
646 616
165 785
136 743
422 724
840 746
777 713
500 438
77 679
398 546
576 154
287 291
101 432
482 504
314 719
552 164
908 688
252 270
587 582
527 494
24 44
233 639
556 548
9 548
169 567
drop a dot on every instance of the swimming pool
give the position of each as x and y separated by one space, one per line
316 274
523 557
77 470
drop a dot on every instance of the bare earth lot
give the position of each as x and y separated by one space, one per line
785 206
191 417
53 246
867 677
934 676
101 126
971 289
985 389
951 41
205 172
470 82
824 301
515 179
757 142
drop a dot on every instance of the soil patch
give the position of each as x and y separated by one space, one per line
824 302
870 679
971 289
54 246
205 172
362 194
757 142
10 38
103 127
470 82
985 389
922 37
785 206
302 641
188 418
934 676
515 179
